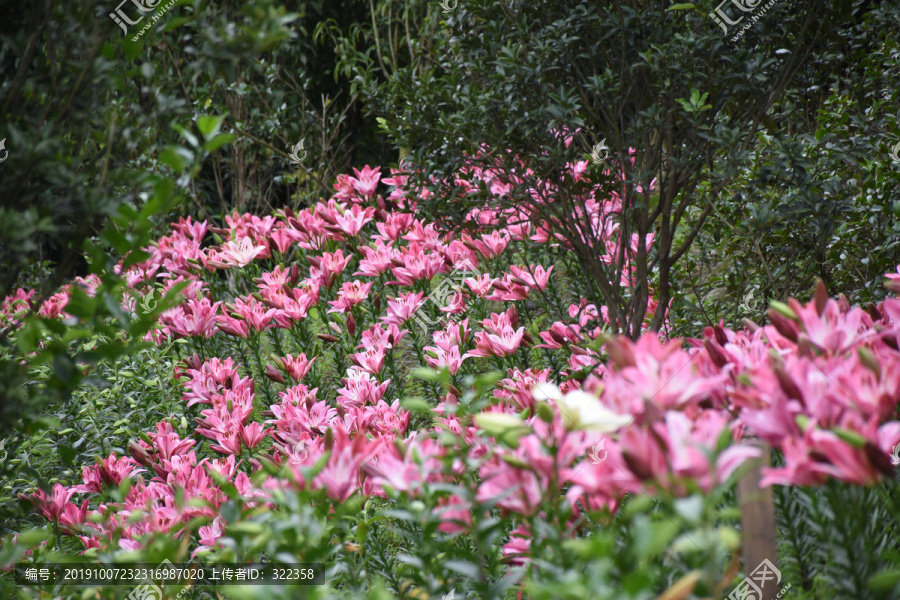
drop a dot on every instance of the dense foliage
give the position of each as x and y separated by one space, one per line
508 363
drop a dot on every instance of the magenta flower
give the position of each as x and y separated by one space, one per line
377 260
371 361
50 506
297 367
559 335
492 244
109 471
253 434
241 252
350 294
393 226
534 277
209 536
366 180
482 285
340 476
360 388
352 221
193 318
402 308
437 358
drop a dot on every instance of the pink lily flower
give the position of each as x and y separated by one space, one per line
242 252
352 221
50 506
394 226
366 180
253 434
371 361
402 308
193 318
377 260
350 294
297 367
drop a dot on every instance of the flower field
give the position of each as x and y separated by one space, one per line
423 410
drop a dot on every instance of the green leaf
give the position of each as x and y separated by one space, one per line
67 453
683 6
209 126
885 579
426 374
416 404
219 141
177 157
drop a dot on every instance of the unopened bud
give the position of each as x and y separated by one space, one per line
273 374
513 316
545 412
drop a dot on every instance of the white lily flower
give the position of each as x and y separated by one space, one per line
546 391
585 411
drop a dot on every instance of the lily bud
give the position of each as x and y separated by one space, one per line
273 374
327 338
868 359
545 412
139 453
351 324
821 297
504 427
513 316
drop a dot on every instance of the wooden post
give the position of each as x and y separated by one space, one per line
758 520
